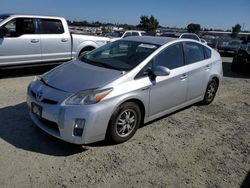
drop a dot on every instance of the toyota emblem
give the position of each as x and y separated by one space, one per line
39 96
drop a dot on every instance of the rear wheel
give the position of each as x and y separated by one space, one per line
211 90
124 122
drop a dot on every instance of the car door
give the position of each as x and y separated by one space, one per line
198 69
55 40
170 91
20 43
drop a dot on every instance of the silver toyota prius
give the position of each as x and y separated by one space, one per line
110 91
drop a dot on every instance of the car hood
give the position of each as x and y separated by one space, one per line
77 75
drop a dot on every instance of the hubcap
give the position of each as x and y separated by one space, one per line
211 91
126 122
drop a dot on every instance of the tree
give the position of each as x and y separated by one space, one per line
194 28
148 23
235 30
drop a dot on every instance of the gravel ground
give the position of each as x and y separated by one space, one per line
200 146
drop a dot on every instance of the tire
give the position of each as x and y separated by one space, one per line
124 122
234 66
210 93
85 50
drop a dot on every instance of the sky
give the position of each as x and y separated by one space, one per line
216 14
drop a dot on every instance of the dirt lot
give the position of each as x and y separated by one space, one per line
200 146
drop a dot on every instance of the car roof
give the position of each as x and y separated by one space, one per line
29 15
150 39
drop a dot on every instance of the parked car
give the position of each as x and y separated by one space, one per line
32 39
190 36
228 46
123 34
170 34
111 90
210 41
203 41
241 59
115 34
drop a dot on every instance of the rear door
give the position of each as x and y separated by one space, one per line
198 68
55 40
21 43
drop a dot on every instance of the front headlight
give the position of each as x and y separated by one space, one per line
37 78
87 97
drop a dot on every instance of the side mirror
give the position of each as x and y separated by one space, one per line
161 71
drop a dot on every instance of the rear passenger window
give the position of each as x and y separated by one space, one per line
51 26
207 52
128 34
193 52
171 57
135 34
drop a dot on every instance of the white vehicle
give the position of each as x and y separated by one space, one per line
32 39
116 35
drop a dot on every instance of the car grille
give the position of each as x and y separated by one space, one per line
47 101
49 124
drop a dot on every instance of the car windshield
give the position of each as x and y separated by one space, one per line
2 17
120 55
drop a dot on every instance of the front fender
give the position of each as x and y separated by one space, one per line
85 44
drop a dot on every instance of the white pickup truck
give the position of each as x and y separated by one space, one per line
32 39
116 35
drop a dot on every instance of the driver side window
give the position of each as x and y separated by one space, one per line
171 57
18 27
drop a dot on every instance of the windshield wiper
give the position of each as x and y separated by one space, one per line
105 65
99 63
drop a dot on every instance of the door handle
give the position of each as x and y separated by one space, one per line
34 40
207 67
145 88
64 40
183 77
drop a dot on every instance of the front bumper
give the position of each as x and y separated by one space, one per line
58 120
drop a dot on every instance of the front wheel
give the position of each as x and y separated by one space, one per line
210 93
124 122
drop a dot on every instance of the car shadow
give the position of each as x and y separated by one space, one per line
228 73
17 129
25 71
246 181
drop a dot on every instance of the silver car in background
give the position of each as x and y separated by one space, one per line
112 90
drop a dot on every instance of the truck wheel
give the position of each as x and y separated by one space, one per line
124 122
85 50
